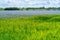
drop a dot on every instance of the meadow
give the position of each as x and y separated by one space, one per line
38 27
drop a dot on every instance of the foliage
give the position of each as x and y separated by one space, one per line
11 8
30 8
1 8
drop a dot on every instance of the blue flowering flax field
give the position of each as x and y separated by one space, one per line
38 27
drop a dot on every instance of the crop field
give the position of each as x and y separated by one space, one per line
38 27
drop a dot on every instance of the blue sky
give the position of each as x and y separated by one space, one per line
29 3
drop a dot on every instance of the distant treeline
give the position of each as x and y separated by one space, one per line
30 8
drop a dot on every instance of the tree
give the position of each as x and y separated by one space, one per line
12 8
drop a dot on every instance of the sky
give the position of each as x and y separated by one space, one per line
29 3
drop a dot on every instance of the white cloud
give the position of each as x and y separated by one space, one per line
29 3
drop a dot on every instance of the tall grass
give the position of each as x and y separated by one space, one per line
40 27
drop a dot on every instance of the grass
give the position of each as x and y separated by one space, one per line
39 27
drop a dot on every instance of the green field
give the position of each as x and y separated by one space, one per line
38 27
